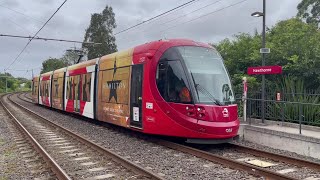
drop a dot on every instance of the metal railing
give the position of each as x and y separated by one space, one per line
302 109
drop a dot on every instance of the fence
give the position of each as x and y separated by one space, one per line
301 108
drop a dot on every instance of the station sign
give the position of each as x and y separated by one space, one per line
265 70
265 50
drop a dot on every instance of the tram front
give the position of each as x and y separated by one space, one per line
194 80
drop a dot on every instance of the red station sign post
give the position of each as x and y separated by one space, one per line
264 70
261 70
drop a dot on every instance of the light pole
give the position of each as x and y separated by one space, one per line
263 14
5 74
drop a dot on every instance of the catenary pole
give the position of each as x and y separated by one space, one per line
263 61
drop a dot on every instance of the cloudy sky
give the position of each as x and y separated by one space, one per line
204 20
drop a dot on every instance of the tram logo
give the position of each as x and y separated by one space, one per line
225 113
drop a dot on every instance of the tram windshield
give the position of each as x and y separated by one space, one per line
184 69
208 73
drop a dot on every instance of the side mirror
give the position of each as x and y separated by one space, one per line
162 66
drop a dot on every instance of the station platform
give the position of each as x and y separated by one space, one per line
283 135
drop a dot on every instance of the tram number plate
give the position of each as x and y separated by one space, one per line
135 113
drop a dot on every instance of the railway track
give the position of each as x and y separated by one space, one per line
27 96
235 163
69 155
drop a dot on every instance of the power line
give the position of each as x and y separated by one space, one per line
24 69
24 29
204 15
207 14
159 19
36 34
154 17
20 13
181 16
45 39
25 15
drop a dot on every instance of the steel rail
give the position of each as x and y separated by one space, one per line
124 162
27 99
277 157
221 160
25 95
253 170
59 172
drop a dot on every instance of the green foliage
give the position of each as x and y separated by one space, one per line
70 57
13 84
309 10
294 45
239 54
52 64
298 99
101 30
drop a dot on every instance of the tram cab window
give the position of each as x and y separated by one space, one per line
171 80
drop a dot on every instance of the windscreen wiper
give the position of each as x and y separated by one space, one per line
205 92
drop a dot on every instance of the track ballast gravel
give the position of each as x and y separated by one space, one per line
165 162
18 159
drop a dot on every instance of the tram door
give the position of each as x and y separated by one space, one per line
136 96
77 93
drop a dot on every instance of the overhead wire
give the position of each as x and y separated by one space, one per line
27 16
181 8
204 15
20 13
25 69
207 14
24 48
152 18
184 15
18 25
158 20
45 39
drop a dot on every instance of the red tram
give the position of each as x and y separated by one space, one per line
176 87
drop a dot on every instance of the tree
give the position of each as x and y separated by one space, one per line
52 64
12 83
238 55
309 10
101 30
70 57
294 45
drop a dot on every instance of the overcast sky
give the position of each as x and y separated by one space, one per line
74 17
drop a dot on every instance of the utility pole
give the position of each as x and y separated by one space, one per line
263 52
6 80
263 61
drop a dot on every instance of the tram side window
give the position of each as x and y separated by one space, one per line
44 91
33 88
70 88
47 88
41 88
86 87
76 80
172 82
55 88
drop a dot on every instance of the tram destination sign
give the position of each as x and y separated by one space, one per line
265 70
